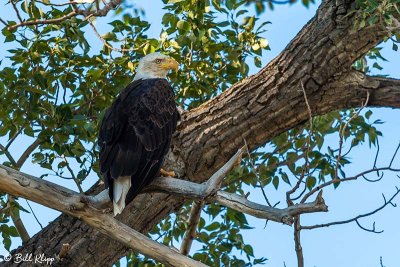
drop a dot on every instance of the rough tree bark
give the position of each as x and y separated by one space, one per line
256 109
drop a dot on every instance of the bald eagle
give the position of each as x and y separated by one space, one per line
135 133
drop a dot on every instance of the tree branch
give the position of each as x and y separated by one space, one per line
342 130
384 92
65 200
214 183
355 177
97 13
27 153
194 219
297 242
192 190
8 155
19 225
41 22
356 218
105 43
82 207
258 108
306 166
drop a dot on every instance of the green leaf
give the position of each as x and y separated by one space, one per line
275 182
13 231
368 114
183 25
213 226
310 182
249 250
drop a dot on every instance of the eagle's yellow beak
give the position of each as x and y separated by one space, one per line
170 64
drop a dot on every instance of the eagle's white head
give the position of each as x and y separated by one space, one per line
155 65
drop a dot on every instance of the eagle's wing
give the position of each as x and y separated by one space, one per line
135 136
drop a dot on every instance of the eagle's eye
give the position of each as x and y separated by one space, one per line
158 61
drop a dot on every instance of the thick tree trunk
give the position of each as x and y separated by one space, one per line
256 109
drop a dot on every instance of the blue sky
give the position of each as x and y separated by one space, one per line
344 245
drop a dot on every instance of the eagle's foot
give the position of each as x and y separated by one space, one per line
107 210
167 173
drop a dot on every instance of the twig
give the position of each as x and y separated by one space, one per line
16 10
97 13
34 215
307 150
72 174
377 153
214 183
27 153
14 137
8 155
2 21
297 242
373 181
194 219
19 225
341 135
381 262
356 218
355 177
256 173
394 155
46 21
64 4
105 42
373 230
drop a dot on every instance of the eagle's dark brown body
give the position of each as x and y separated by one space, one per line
135 134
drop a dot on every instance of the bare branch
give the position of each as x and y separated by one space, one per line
256 173
355 177
341 134
2 21
265 212
19 225
14 137
306 166
8 155
72 174
194 219
214 183
27 153
64 4
104 41
378 148
46 21
394 155
97 13
192 190
16 10
34 215
297 242
381 262
65 200
356 218
373 230
373 181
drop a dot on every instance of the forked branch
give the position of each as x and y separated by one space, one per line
85 208
71 203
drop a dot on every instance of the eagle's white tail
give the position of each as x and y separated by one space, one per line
121 187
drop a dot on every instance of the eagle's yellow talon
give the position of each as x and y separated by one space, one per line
167 173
